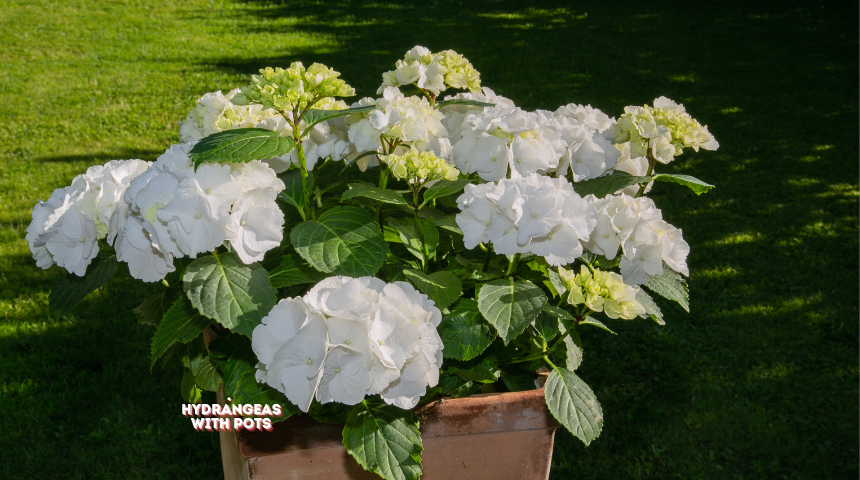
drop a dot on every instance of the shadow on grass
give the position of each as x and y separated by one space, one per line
81 385
101 158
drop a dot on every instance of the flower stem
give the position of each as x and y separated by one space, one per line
651 162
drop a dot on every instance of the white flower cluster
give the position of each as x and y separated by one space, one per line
491 140
67 227
663 131
536 214
351 337
215 112
398 119
636 226
174 211
433 72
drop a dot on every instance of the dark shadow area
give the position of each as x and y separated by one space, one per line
101 158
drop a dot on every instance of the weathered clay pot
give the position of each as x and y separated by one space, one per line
488 436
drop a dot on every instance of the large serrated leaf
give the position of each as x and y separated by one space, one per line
223 288
289 272
670 285
240 145
315 116
608 184
153 308
443 189
374 193
572 347
697 186
181 323
464 332
343 241
384 439
651 307
71 289
510 306
207 377
574 405
444 288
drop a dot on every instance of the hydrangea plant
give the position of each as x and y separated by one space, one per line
352 262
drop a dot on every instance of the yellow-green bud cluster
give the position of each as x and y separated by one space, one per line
433 72
287 89
665 129
420 167
602 291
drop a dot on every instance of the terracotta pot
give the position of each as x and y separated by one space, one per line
489 436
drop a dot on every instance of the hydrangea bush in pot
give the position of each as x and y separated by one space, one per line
356 264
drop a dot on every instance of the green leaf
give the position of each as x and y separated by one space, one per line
651 308
153 308
289 273
207 377
188 389
464 332
411 238
443 189
596 323
292 192
240 145
457 387
463 101
181 323
331 412
314 116
546 325
556 282
223 288
572 348
71 289
574 405
384 439
444 288
564 317
486 370
448 222
240 382
378 194
697 186
510 306
344 241
518 382
608 184
671 285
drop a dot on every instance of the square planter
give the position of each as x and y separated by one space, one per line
486 436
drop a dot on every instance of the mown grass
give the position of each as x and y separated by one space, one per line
759 381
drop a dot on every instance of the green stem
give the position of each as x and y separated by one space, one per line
529 358
552 365
383 182
487 257
424 253
651 162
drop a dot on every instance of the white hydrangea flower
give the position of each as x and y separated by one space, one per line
536 214
363 337
409 121
67 227
491 141
586 115
186 212
587 154
456 113
636 227
146 261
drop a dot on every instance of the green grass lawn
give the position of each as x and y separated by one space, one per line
759 381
